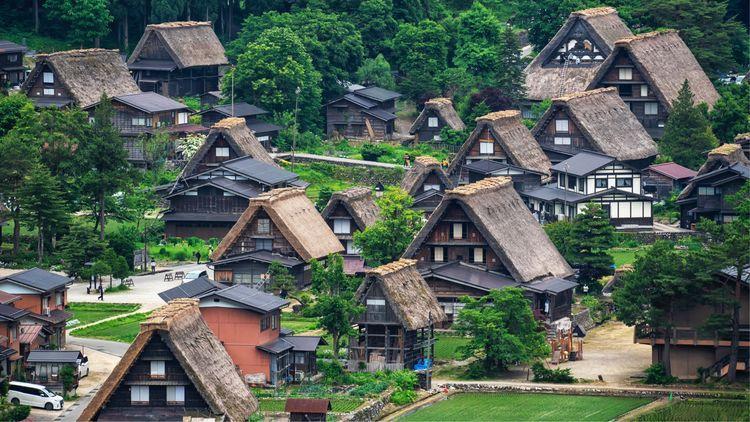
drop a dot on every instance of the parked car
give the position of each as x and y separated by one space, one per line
192 275
34 395
83 367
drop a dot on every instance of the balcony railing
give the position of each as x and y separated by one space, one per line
691 334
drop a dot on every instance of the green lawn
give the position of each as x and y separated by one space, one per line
317 180
445 346
87 313
526 407
297 323
123 329
701 410
338 404
624 256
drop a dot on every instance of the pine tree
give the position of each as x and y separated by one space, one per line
42 205
511 79
688 132
591 235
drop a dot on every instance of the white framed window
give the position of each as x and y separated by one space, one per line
427 187
139 394
225 193
707 190
644 90
191 193
264 226
562 140
341 225
436 138
622 182
299 358
438 254
432 122
175 394
561 126
561 180
222 151
138 121
478 255
48 77
351 248
49 91
458 230
182 118
157 368
486 147
625 73
651 109
264 138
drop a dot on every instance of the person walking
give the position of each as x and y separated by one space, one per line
101 292
153 266
197 257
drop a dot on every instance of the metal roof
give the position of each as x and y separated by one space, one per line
62 356
488 167
275 347
191 289
249 297
11 47
304 343
731 272
39 279
10 313
552 285
263 127
478 278
673 171
240 110
548 193
27 333
583 163
150 102
380 114
362 102
377 94
6 298
258 170
233 186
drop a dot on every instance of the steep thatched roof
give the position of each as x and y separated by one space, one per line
513 136
189 44
86 74
604 26
506 224
665 62
606 122
234 130
443 107
726 155
297 219
423 167
199 352
358 202
411 299
742 138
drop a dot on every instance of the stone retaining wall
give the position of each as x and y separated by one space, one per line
371 410
651 237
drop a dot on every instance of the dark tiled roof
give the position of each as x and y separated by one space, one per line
167 65
263 127
10 313
64 356
553 285
488 167
362 102
473 276
233 186
252 298
191 289
377 94
275 347
151 102
39 279
11 47
381 114
6 352
548 193
56 316
260 171
6 298
304 343
583 163
240 110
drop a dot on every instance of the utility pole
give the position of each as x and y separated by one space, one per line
233 92
296 126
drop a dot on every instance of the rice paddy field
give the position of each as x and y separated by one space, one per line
526 407
701 410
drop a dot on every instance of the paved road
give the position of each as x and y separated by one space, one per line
115 348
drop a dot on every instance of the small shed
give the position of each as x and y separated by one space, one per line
307 409
45 365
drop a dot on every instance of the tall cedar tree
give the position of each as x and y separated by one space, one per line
374 18
731 113
479 46
79 246
729 247
512 79
591 235
688 133
387 238
335 304
105 160
376 72
421 53
662 282
42 205
543 18
502 329
88 19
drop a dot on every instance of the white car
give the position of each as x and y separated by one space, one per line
192 275
34 395
83 367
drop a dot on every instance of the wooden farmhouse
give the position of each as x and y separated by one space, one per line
576 122
247 321
347 212
214 188
367 113
304 410
175 368
706 196
572 57
426 181
648 71
210 98
661 180
178 59
695 350
482 237
592 177
278 226
502 137
436 114
264 132
396 330
78 78
12 70
743 140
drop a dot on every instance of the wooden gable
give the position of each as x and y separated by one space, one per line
374 312
340 212
578 46
40 88
487 136
573 139
253 235
154 49
210 159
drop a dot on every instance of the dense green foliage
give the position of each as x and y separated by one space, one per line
657 374
731 113
553 375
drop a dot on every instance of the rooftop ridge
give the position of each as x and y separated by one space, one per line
393 267
78 51
583 94
742 136
485 185
595 11
354 192
178 24
161 318
726 149
499 115
229 122
439 101
277 195
426 160
644 36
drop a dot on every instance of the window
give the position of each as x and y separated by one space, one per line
432 122
562 140
59 298
225 193
274 321
264 226
477 255
561 180
626 73
624 183
299 358
175 394
458 231
375 309
708 190
438 254
49 91
341 226
265 322
48 77
222 151
572 182
351 248
182 118
625 90
264 138
427 187
561 126
581 184
601 183
486 147
139 394
138 121
157 369
191 193
92 120
263 244
12 58
651 109
644 90
436 138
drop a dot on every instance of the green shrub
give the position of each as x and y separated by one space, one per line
405 380
163 251
372 152
657 374
402 397
557 376
333 373
362 378
193 241
13 413
181 255
369 389
174 240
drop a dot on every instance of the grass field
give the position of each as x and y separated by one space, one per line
121 329
526 407
297 323
338 404
624 256
445 346
701 410
86 313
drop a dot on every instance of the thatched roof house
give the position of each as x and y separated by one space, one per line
79 77
589 35
442 108
424 166
603 120
189 44
506 224
358 202
665 62
408 295
296 218
743 140
724 156
511 142
200 355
